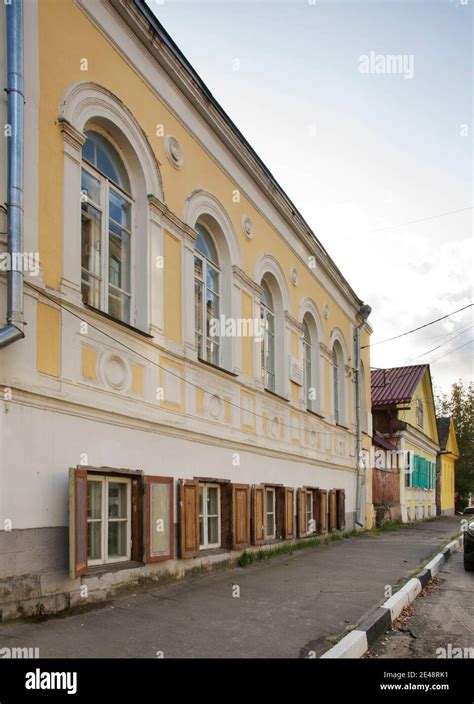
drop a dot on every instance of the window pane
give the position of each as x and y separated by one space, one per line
212 279
269 500
90 231
94 499
212 530
117 500
119 305
119 209
90 254
117 543
198 267
119 258
270 525
201 531
90 186
213 500
94 536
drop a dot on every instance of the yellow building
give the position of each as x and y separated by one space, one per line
185 386
446 466
404 414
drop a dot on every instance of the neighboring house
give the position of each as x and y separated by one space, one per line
446 467
385 479
137 441
403 413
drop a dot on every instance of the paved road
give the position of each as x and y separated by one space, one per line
442 619
287 607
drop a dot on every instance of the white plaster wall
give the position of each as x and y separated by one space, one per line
38 446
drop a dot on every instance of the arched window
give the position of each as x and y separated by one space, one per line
106 228
311 364
267 316
338 383
206 295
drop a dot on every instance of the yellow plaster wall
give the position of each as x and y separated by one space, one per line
48 340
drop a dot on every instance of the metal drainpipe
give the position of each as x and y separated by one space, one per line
364 313
13 330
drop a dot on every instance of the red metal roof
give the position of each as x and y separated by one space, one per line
397 385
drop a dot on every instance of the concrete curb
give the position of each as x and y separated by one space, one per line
356 643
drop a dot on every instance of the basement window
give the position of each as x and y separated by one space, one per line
209 516
270 522
108 520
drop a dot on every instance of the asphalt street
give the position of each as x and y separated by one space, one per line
290 606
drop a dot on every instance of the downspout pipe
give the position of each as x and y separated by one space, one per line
13 330
364 313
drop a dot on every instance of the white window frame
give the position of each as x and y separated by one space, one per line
105 481
206 264
267 313
205 486
270 490
106 185
308 362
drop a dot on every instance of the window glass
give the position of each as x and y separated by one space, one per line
270 513
99 152
205 244
206 296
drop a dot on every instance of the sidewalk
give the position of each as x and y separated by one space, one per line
288 607
441 624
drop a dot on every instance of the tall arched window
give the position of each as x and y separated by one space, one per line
267 316
106 229
206 295
338 383
309 385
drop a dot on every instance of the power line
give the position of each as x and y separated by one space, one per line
448 342
412 222
167 370
451 351
420 327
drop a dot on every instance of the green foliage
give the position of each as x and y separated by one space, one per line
460 406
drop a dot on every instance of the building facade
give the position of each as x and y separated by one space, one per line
185 386
404 415
446 467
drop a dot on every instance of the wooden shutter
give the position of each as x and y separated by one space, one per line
323 510
316 510
258 515
136 519
289 515
332 510
226 515
77 522
159 519
341 509
188 518
240 516
302 525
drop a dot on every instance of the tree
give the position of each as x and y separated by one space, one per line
460 406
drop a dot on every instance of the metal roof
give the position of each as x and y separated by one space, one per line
397 385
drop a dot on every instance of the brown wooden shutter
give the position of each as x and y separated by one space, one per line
332 510
323 510
226 515
258 515
341 509
302 524
289 524
188 517
77 522
240 516
316 510
159 518
137 519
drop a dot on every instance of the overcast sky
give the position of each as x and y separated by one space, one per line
362 154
